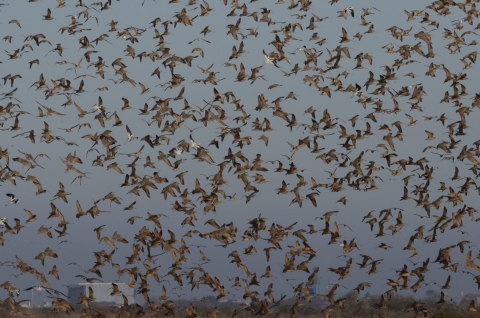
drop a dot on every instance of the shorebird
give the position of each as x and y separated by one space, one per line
130 136
358 91
61 194
48 16
193 144
350 10
13 199
179 151
269 59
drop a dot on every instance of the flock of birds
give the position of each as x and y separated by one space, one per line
325 111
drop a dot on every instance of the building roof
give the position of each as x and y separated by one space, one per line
472 296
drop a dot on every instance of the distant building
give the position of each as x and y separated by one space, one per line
102 291
470 297
314 289
234 301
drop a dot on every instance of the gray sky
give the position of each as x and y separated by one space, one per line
275 208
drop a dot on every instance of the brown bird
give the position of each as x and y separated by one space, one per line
48 16
46 231
61 194
31 216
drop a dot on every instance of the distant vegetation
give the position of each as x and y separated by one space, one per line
353 307
448 315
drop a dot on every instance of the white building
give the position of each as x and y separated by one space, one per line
102 293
